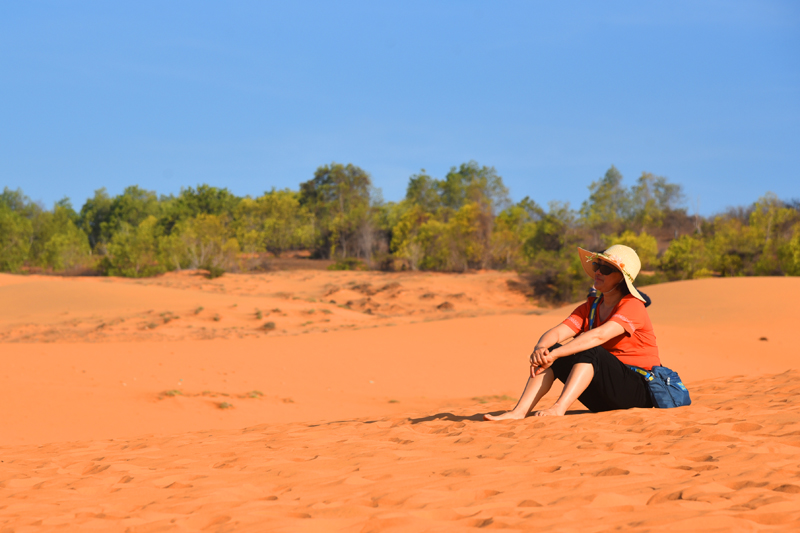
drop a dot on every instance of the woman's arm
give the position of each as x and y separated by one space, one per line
542 359
559 334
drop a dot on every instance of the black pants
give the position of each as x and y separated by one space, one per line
614 385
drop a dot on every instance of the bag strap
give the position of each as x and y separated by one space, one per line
647 374
593 311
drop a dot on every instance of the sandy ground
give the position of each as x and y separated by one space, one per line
124 408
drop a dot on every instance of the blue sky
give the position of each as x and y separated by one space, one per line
254 95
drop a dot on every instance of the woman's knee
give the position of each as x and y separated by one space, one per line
592 355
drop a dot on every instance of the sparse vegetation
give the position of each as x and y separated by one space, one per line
494 398
462 221
268 326
225 405
168 317
198 310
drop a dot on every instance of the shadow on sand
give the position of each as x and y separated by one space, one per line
449 417
478 417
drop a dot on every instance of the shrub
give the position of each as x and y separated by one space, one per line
684 256
557 277
67 249
348 263
792 253
134 252
15 235
201 242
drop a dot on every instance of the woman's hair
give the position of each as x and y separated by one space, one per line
623 287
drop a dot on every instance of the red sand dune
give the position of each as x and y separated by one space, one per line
112 418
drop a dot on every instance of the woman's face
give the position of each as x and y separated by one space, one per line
606 283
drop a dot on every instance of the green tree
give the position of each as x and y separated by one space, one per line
275 222
201 242
685 257
15 238
429 243
463 206
66 249
553 232
792 251
733 246
405 242
57 232
425 192
608 204
130 208
652 198
339 198
513 227
190 203
771 225
96 213
133 251
473 183
16 201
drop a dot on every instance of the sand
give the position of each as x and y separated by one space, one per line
124 409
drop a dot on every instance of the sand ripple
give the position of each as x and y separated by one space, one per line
729 462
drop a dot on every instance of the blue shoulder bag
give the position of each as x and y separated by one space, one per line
665 385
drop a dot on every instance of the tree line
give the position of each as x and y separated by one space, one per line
460 222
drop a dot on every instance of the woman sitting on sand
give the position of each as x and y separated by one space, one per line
595 366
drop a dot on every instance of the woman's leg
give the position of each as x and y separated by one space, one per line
613 385
535 388
579 378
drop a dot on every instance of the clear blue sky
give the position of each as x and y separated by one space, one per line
254 95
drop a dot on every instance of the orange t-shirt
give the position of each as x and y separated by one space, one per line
637 346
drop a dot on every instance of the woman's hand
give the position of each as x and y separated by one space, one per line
540 360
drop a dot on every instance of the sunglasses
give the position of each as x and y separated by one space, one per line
603 268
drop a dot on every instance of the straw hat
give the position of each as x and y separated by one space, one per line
622 257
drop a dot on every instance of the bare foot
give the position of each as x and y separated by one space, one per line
508 415
548 412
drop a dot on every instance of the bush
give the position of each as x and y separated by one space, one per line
15 237
558 277
348 263
201 242
67 249
133 252
685 256
792 253
642 280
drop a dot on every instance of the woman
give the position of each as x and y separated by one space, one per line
595 366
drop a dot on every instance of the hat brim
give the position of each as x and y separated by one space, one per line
586 262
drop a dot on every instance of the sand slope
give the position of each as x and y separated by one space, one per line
187 305
724 464
377 428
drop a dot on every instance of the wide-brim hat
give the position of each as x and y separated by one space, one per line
623 257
